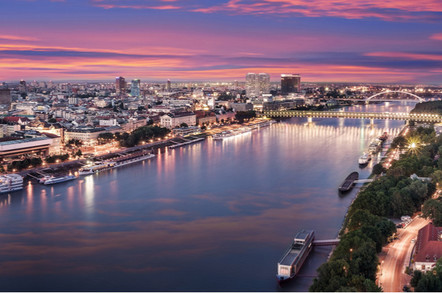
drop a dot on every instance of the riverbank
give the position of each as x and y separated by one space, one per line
74 165
366 229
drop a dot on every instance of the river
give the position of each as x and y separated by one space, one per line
213 216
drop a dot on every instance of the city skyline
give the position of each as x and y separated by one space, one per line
337 41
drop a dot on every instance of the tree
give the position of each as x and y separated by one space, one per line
399 142
378 169
184 125
433 209
241 116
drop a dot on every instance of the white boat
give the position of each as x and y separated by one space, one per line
49 180
364 159
95 168
292 261
375 146
124 162
10 182
231 133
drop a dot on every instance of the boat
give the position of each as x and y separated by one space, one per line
95 168
292 261
231 133
349 182
375 146
49 180
123 161
10 182
383 137
364 159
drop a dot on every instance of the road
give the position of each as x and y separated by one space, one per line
396 256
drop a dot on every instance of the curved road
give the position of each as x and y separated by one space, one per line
395 257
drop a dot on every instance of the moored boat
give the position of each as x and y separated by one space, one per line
292 261
95 168
364 159
349 182
375 146
49 180
383 137
10 182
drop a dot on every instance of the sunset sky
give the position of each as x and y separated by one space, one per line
190 40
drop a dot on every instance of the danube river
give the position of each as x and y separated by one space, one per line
213 216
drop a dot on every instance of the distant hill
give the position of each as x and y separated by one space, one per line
433 107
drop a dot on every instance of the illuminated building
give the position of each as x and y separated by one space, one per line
120 85
257 84
290 83
135 88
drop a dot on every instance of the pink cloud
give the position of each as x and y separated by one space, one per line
407 56
437 37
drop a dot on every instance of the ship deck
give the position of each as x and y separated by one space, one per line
291 256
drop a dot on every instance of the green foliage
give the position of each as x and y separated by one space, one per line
392 195
433 107
24 164
399 142
241 116
105 137
143 133
378 169
433 209
431 281
54 158
74 142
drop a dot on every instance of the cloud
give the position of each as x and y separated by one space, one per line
437 37
393 10
17 38
407 56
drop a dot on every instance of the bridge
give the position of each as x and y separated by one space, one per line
327 242
429 118
374 98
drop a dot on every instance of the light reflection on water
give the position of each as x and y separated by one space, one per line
213 216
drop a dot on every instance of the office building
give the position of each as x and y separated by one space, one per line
5 97
120 85
135 88
257 84
290 83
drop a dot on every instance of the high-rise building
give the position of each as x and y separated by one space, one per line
120 85
251 81
264 83
135 88
290 83
5 97
257 84
22 88
168 86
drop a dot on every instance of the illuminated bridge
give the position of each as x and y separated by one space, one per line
382 97
430 118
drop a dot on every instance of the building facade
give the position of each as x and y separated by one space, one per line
428 247
120 85
173 120
257 84
135 88
290 83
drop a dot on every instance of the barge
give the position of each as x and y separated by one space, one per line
349 182
292 261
